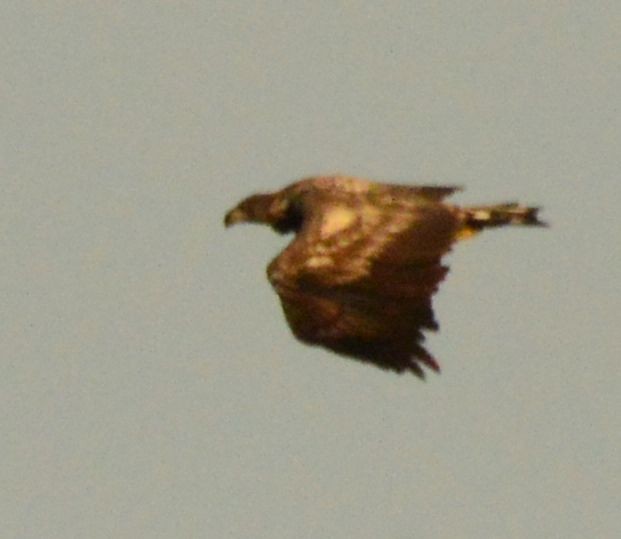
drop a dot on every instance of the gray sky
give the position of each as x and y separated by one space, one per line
150 387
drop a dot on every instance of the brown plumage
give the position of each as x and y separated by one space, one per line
360 273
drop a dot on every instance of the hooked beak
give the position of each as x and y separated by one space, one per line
236 215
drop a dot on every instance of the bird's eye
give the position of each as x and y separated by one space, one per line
279 207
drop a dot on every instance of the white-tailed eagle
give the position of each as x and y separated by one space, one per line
359 275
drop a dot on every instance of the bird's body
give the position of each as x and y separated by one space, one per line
359 275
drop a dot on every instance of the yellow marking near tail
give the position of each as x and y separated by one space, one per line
482 215
466 233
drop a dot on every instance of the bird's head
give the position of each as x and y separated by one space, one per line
274 209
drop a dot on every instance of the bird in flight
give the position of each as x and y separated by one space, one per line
366 259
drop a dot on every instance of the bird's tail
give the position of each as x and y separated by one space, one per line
477 218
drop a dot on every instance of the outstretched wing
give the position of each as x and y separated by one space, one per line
348 185
378 330
357 238
360 274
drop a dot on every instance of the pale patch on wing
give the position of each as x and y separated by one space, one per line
318 261
351 229
357 237
336 220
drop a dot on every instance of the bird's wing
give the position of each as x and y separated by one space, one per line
430 192
370 329
348 185
353 239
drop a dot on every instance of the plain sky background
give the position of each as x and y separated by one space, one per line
150 386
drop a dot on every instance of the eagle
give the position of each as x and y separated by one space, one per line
359 275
